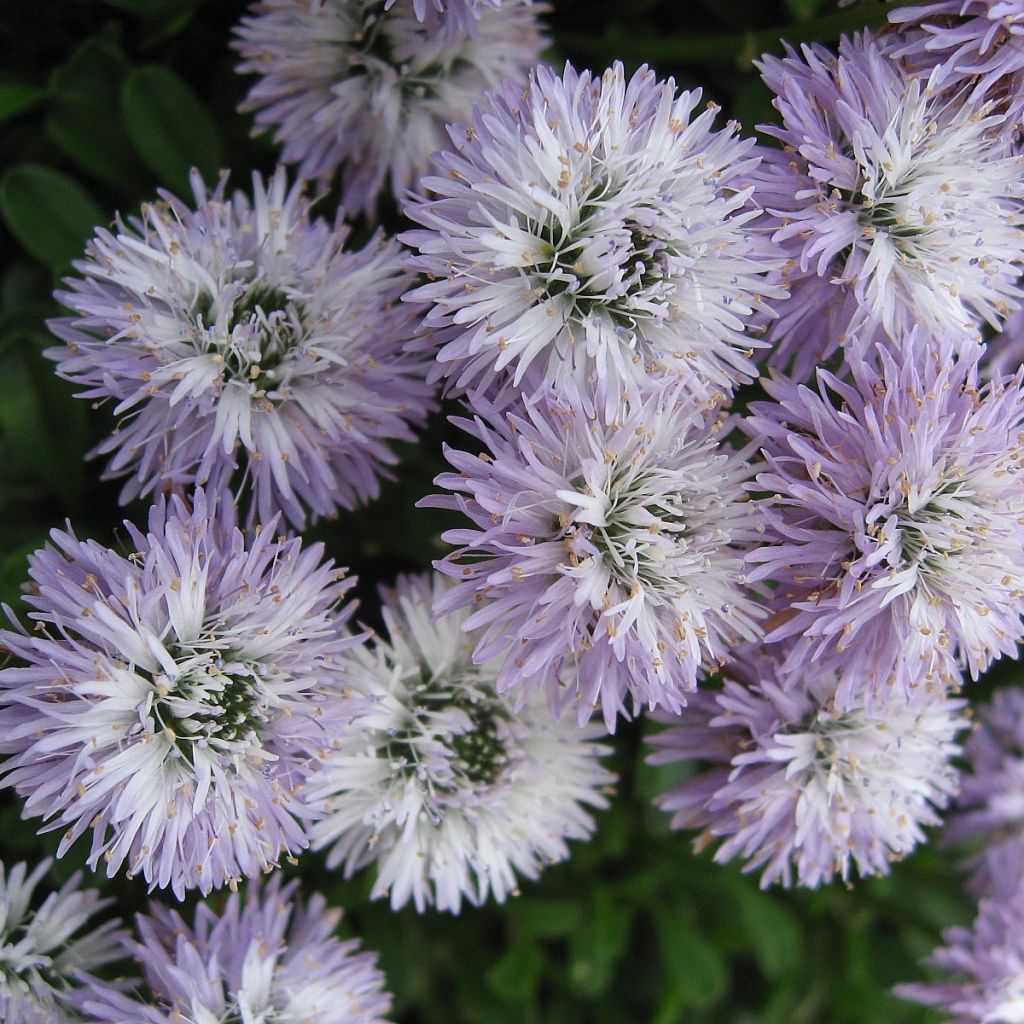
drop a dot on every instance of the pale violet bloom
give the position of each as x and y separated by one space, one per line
448 789
895 203
984 965
602 561
592 228
801 788
989 814
168 700
973 43
241 345
455 17
43 947
893 517
269 958
367 89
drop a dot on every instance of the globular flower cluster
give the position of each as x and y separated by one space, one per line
456 17
592 229
346 85
895 203
605 556
802 786
169 699
989 814
43 948
267 957
893 517
795 584
244 348
975 45
443 783
986 962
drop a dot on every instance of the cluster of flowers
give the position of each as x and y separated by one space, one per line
596 268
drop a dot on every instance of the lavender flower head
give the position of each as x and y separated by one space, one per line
455 17
989 812
592 228
169 701
896 205
267 958
893 518
977 43
803 788
346 84
604 557
41 950
443 784
986 962
242 345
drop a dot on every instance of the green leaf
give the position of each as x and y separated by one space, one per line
171 129
16 98
600 943
516 975
545 918
802 10
48 212
772 931
694 965
85 117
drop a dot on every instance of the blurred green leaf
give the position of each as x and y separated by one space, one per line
85 117
48 212
695 967
599 943
516 975
171 129
803 10
545 918
769 927
16 98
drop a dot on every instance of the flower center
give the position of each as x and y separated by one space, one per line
640 529
466 722
254 335
215 700
606 259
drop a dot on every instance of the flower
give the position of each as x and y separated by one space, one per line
345 84
587 228
243 345
987 964
801 786
893 516
41 950
895 204
458 18
1004 352
169 700
605 554
989 812
972 42
451 791
269 958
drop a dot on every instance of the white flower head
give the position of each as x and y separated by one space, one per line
443 784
